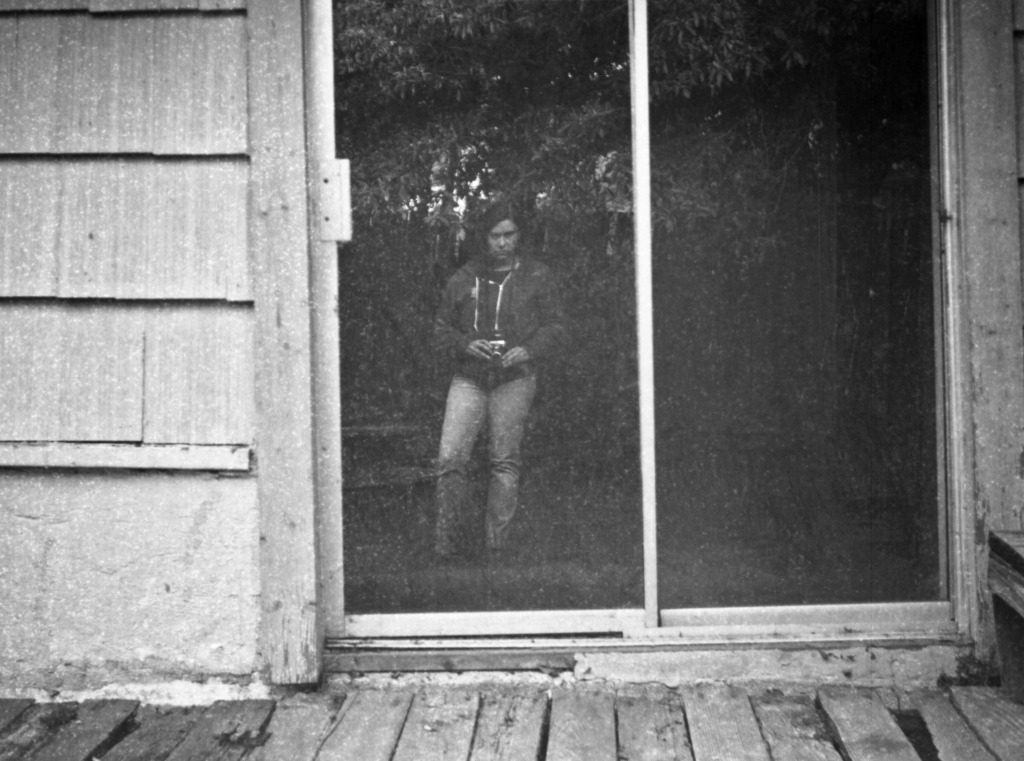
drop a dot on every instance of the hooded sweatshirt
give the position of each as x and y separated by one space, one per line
524 309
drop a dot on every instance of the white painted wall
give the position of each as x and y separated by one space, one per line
126 577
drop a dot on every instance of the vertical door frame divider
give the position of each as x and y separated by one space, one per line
326 341
959 510
642 234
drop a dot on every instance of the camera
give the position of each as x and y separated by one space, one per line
497 348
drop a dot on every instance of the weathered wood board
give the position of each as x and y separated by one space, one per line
80 372
161 729
124 228
95 729
123 456
120 6
368 727
14 6
201 75
173 84
199 375
652 727
71 373
291 635
998 722
642 722
793 729
225 731
30 223
297 728
439 726
953 739
865 727
11 709
722 724
510 727
35 729
582 727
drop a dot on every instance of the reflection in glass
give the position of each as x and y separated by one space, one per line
795 307
443 107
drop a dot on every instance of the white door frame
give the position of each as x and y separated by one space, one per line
940 620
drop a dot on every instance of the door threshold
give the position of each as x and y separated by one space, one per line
561 654
558 640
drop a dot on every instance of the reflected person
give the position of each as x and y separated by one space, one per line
500 317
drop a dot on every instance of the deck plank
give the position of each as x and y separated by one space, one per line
93 731
298 726
722 725
440 726
368 727
865 728
161 729
998 722
11 709
652 727
510 727
36 729
793 729
225 731
582 727
953 739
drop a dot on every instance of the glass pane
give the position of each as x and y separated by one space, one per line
444 107
794 272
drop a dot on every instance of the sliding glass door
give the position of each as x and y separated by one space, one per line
737 207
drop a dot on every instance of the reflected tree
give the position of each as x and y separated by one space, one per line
443 102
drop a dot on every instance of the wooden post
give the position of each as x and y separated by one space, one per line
987 346
291 636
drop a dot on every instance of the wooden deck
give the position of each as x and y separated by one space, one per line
633 723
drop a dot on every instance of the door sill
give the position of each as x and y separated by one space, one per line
554 655
553 640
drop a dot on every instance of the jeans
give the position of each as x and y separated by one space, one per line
470 403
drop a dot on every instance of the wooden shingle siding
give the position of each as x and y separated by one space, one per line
29 227
120 6
124 228
117 6
199 375
9 6
163 84
80 372
71 373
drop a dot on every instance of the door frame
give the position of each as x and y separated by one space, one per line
956 618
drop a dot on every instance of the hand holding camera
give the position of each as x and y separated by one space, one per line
497 349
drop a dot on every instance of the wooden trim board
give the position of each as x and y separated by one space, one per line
989 373
291 635
123 456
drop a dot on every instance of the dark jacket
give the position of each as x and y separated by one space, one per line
531 315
